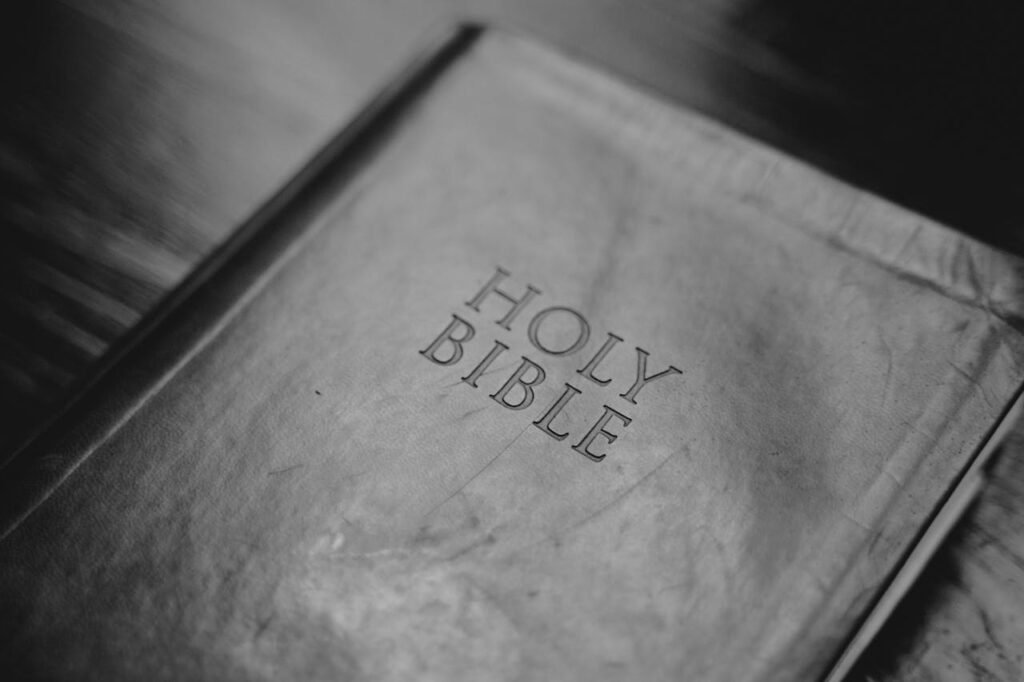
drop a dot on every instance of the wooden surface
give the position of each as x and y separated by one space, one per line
138 135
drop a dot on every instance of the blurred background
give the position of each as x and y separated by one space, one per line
136 135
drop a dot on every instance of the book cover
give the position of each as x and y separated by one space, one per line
530 375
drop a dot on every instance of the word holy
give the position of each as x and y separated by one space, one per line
448 349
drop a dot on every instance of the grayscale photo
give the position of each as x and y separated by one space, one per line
512 341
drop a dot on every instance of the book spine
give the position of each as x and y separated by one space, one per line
143 361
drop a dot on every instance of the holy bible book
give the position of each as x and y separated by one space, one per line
529 376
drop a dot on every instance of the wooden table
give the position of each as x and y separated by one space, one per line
137 135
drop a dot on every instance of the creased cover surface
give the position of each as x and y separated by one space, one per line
569 384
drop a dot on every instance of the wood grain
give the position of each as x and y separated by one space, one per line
140 134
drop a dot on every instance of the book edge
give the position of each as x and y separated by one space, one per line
390 104
194 312
947 516
911 246
896 239
890 237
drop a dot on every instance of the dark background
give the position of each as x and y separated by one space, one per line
135 135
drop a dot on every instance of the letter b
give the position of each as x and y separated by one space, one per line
430 352
517 303
501 395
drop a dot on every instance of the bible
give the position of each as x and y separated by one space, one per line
528 375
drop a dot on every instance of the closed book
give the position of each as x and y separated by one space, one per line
529 375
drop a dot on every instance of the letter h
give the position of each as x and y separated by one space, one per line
517 303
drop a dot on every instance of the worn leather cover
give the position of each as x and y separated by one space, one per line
759 385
